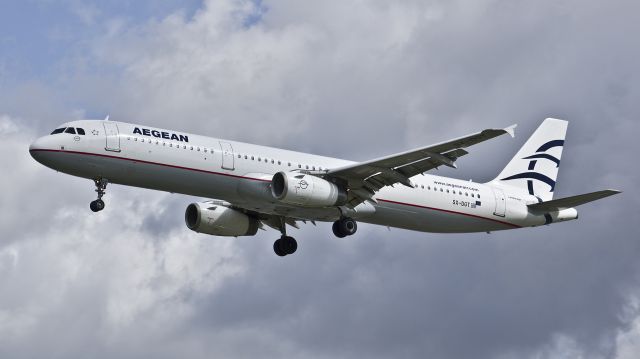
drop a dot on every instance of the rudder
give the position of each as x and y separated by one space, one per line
535 167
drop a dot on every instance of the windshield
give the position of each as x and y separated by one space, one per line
57 131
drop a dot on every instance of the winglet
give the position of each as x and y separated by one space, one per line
511 130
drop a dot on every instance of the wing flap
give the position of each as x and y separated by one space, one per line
570 202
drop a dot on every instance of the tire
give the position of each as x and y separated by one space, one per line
348 226
277 248
290 245
100 204
94 206
337 231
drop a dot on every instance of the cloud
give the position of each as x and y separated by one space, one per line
350 79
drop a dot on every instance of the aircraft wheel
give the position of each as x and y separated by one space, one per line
277 248
348 226
290 244
337 231
97 205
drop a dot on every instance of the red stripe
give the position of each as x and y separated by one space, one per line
448 211
151 163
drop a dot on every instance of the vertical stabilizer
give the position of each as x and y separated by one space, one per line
535 167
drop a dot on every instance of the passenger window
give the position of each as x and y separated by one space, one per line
246 157
289 164
272 161
252 158
473 195
279 163
70 130
441 190
135 139
466 194
478 196
239 156
198 149
80 131
57 131
299 166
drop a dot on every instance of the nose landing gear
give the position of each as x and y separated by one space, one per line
101 186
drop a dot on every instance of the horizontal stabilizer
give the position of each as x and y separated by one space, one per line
570 202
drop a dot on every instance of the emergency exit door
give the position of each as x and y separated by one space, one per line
227 156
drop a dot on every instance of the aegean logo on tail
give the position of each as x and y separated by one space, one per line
532 165
161 134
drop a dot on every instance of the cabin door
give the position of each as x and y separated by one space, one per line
111 133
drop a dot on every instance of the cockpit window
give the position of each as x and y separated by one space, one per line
80 131
57 131
70 130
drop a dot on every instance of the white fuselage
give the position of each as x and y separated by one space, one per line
241 173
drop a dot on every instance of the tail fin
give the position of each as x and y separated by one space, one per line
535 167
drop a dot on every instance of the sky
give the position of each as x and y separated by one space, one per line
345 78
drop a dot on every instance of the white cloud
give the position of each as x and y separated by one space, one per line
99 274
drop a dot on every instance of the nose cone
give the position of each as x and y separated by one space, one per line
37 149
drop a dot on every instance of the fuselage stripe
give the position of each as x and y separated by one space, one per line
448 211
151 163
259 179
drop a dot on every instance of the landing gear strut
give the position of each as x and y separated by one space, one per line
285 245
101 186
344 227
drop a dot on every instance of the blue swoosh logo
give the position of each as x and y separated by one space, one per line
545 156
533 175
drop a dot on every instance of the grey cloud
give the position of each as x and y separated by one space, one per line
355 80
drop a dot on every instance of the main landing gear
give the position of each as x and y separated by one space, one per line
285 245
101 186
345 227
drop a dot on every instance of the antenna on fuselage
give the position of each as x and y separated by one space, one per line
106 118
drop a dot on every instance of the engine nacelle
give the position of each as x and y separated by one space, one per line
219 220
306 190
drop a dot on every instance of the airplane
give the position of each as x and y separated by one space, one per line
251 186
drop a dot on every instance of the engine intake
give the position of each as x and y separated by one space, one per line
219 220
306 190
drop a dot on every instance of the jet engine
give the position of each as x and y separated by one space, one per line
306 190
219 220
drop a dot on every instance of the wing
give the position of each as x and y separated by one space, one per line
366 178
